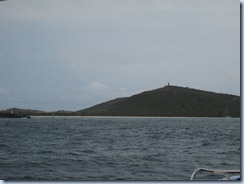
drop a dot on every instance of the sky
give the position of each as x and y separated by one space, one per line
73 54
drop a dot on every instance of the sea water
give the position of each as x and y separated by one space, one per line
111 149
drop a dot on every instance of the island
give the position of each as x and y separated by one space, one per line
168 101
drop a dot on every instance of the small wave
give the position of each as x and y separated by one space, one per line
205 142
46 152
231 152
73 154
88 151
3 145
224 164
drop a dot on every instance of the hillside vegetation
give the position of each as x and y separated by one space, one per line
170 101
167 101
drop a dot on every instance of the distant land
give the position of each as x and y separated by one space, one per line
168 101
21 113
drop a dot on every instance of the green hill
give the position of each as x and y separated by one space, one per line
169 101
17 113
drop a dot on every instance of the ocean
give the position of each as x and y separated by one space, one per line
116 149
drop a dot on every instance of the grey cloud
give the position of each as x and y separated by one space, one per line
95 50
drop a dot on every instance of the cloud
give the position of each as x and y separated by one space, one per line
4 91
96 88
90 51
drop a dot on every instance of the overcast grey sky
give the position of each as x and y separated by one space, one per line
72 54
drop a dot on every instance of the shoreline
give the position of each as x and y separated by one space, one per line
124 117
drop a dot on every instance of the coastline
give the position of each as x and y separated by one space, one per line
123 117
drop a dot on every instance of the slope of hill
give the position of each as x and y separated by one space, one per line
17 113
170 101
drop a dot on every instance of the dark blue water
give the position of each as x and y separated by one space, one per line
116 148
